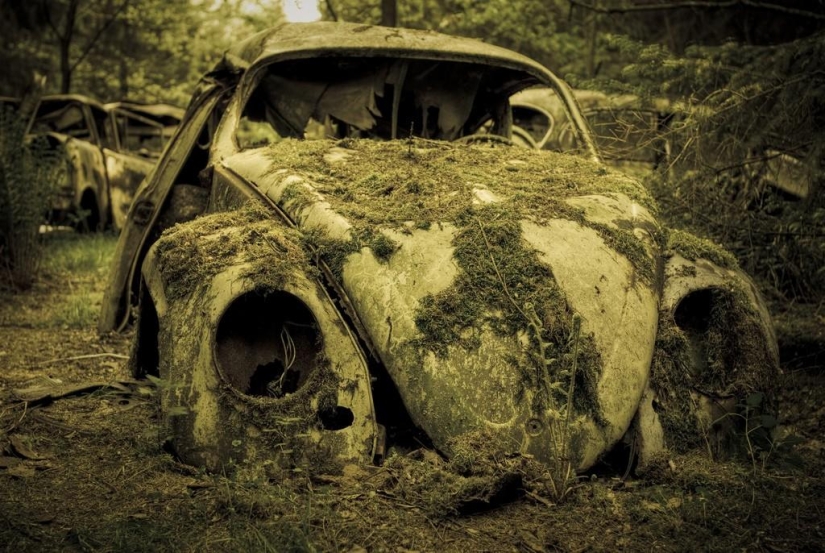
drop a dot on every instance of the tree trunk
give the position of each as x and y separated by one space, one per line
65 67
389 13
592 31
124 79
65 42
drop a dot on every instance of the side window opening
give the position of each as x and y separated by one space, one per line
537 124
139 136
101 119
62 118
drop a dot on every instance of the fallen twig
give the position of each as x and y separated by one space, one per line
15 425
40 417
81 357
39 395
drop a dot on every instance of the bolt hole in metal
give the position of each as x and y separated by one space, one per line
534 427
268 344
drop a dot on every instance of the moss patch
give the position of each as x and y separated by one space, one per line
670 377
193 253
739 361
379 174
692 247
331 251
503 286
399 184
473 479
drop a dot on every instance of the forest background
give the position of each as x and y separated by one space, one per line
745 80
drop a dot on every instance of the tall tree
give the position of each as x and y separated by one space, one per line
389 13
65 19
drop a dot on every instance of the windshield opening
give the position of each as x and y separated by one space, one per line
378 98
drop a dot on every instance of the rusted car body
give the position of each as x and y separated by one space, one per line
295 296
142 132
102 173
634 136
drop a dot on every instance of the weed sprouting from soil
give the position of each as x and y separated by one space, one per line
77 311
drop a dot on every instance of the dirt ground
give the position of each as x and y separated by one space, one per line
88 472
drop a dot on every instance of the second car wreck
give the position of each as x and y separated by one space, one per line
296 295
104 167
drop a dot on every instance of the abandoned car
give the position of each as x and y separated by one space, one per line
342 239
103 169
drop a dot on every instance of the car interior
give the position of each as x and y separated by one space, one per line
381 99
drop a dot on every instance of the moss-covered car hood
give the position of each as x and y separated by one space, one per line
503 289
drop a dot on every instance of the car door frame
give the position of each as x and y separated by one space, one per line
148 201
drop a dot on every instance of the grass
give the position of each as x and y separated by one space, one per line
72 275
78 255
78 311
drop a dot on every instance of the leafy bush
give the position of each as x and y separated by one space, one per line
29 171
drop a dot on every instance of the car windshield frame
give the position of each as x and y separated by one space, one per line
533 75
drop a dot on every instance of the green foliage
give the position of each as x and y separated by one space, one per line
748 142
763 439
147 50
77 311
85 255
29 173
540 29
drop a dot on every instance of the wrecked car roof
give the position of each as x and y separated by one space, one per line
333 40
151 110
72 98
293 40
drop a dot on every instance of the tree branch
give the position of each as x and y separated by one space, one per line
695 4
331 9
91 44
48 12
